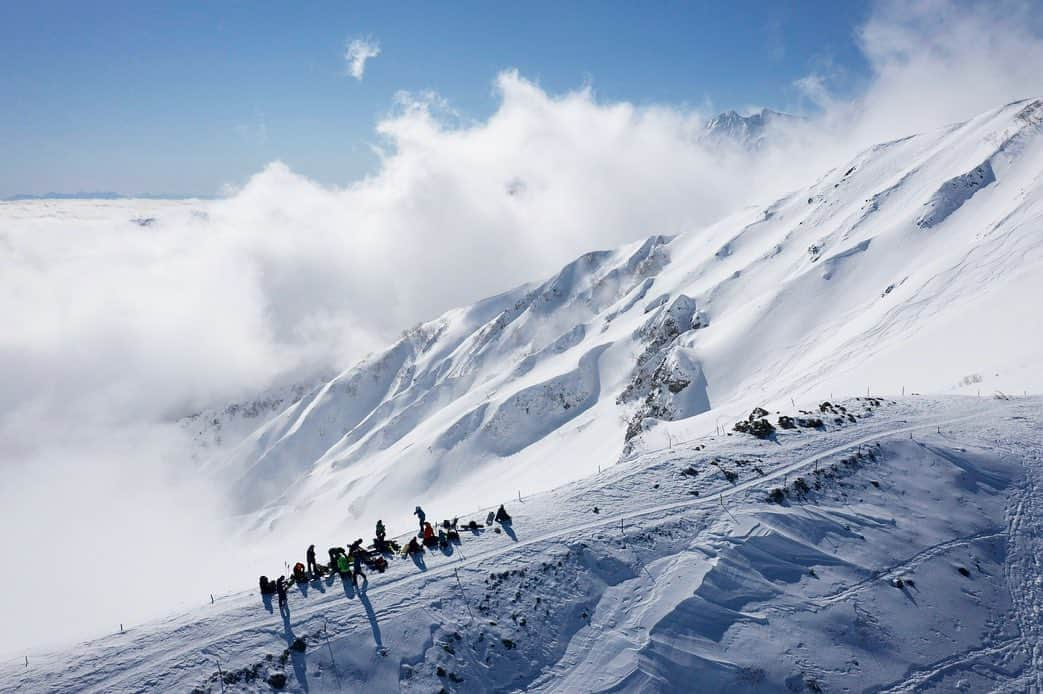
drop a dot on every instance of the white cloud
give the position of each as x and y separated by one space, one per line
813 86
359 51
933 62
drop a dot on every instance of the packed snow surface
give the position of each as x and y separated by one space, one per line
896 547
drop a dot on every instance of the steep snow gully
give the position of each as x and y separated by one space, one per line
902 555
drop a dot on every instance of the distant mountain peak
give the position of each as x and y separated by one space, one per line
750 131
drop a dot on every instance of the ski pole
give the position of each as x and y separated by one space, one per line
220 673
463 593
327 635
726 509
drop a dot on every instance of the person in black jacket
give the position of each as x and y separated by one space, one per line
313 568
502 516
381 531
280 588
357 568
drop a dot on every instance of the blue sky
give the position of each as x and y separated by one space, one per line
185 97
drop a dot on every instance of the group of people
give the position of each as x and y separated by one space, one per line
349 563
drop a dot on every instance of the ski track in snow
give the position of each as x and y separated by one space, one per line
1024 570
905 565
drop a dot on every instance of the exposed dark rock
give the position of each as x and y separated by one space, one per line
761 428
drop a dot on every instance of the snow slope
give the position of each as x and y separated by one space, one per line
911 269
216 428
909 562
905 269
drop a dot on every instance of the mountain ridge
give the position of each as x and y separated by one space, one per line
754 131
617 343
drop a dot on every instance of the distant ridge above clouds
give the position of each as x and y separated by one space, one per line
749 131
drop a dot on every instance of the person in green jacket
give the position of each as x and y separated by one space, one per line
343 566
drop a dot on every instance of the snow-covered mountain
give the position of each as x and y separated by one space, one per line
892 546
906 268
751 132
213 429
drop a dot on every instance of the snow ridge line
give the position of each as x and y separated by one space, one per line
264 625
